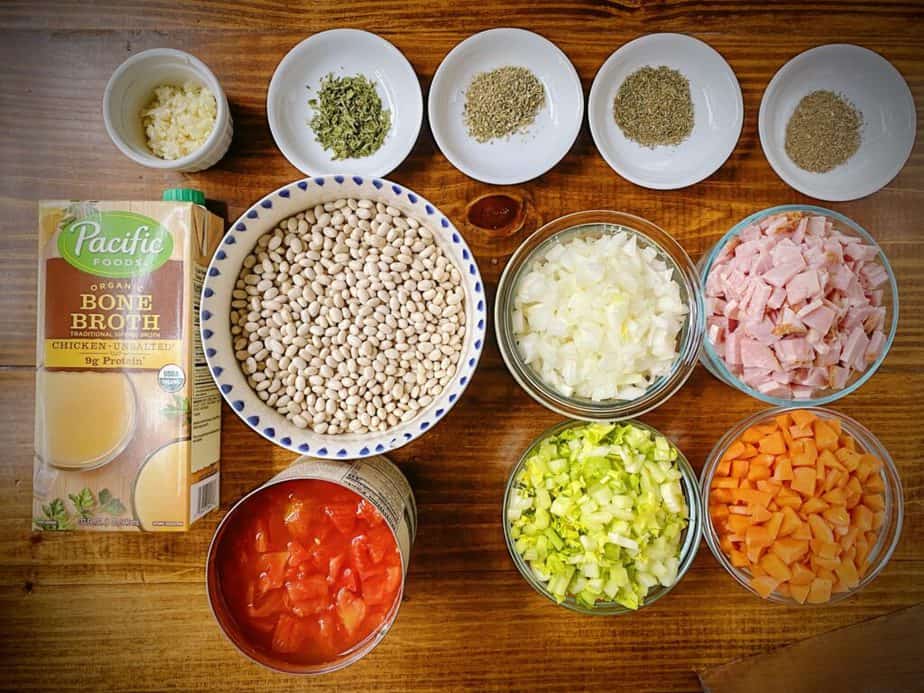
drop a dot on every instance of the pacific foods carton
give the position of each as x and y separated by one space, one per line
127 416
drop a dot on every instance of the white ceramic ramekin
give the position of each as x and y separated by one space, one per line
129 90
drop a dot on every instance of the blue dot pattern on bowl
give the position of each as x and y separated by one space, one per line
224 377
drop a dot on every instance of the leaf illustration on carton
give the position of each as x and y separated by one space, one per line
56 517
109 504
84 503
179 407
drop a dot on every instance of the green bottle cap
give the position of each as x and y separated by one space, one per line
184 195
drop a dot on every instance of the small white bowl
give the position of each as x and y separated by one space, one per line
521 157
717 104
215 309
874 86
343 52
131 87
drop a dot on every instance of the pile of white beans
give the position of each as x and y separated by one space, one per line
348 318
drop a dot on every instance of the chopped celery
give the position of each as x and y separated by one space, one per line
598 513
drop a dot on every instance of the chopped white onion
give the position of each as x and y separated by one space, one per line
598 318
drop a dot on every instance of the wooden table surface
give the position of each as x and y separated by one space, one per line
128 612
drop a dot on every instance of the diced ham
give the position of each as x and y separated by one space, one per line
803 286
874 348
853 354
776 298
757 355
794 305
794 352
779 275
820 319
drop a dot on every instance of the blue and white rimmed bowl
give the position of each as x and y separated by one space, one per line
716 365
223 272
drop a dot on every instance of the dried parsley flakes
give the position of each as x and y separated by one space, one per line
823 132
502 102
653 107
349 119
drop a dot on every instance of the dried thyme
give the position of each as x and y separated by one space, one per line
349 119
502 102
653 107
823 132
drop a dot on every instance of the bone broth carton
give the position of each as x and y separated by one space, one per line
127 416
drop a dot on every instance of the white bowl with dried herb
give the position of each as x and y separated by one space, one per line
837 122
345 101
665 111
505 106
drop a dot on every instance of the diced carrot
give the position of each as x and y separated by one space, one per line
791 522
862 518
822 564
775 567
847 572
802 418
782 420
723 468
739 468
825 436
874 484
820 529
737 524
738 559
769 486
756 570
863 548
832 479
813 505
753 496
799 592
787 438
835 425
756 539
739 509
836 496
837 515
804 532
797 432
867 465
850 554
801 575
744 483
718 511
850 537
726 543
878 519
764 585
847 442
749 451
804 480
819 591
789 550
773 507
823 549
721 495
783 469
773 525
783 589
758 472
724 482
825 573
734 451
849 458
759 514
773 444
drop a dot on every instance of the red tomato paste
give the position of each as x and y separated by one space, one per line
308 569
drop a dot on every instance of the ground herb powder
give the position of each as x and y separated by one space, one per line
502 102
653 107
823 132
349 119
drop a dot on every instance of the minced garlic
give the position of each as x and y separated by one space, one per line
178 120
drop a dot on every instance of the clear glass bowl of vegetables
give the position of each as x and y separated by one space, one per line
602 518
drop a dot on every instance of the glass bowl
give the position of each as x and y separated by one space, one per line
889 532
714 363
689 340
689 543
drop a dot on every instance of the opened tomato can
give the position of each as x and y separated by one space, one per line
306 573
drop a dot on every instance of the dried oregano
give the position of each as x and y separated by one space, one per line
653 107
349 119
502 102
